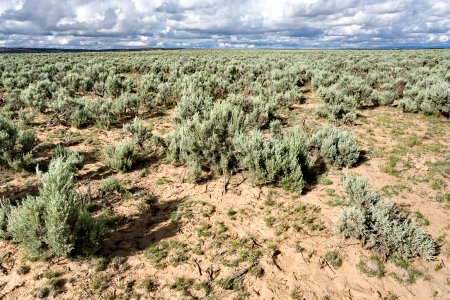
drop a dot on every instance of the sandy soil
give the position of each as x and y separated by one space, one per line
270 242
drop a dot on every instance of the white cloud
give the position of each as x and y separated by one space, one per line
222 23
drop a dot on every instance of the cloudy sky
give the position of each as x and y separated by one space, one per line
224 23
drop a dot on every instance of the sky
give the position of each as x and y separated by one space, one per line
102 24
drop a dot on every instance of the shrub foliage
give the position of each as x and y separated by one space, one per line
53 223
379 224
335 146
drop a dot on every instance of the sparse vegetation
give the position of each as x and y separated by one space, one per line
121 157
378 223
373 267
336 147
54 223
216 173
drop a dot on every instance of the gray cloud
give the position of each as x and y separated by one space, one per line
222 23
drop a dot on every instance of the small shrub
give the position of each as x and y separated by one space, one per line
138 131
110 185
15 146
53 223
280 160
380 226
182 285
5 211
149 285
38 94
127 103
205 142
41 292
72 158
374 267
23 269
336 147
81 117
115 85
333 258
387 98
101 264
27 141
338 108
121 157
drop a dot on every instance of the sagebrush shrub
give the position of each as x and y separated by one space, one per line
72 158
38 94
127 103
27 141
15 146
206 142
5 211
191 104
81 117
53 223
115 85
8 137
138 131
110 185
338 107
279 160
429 95
121 157
78 83
335 146
379 224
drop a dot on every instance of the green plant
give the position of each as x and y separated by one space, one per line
281 160
15 145
99 282
149 285
110 185
183 285
338 107
162 180
163 253
336 147
5 211
205 142
102 263
121 157
37 95
374 267
72 158
41 292
379 224
332 258
138 131
53 223
23 269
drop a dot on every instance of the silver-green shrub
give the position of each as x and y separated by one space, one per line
335 146
379 224
72 158
138 131
15 145
53 223
5 211
121 157
37 95
338 107
430 95
280 160
205 142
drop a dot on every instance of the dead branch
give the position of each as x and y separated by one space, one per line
237 275
198 266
